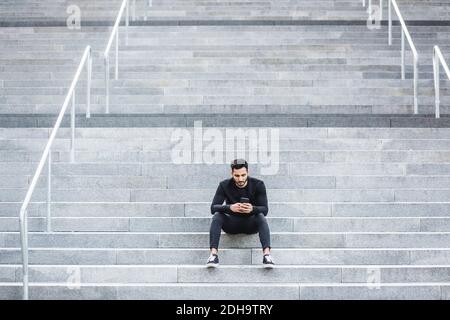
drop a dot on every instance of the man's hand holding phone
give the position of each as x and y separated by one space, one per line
242 207
246 207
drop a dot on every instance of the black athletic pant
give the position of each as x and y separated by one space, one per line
239 224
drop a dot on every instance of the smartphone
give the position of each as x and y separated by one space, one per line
245 200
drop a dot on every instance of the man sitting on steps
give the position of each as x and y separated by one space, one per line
244 212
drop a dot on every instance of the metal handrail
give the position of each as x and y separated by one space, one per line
115 34
46 157
411 45
438 57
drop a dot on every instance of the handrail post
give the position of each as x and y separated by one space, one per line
390 22
403 54
88 89
127 22
49 192
436 83
117 56
24 236
416 76
72 126
107 83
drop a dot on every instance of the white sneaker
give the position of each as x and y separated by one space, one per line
213 261
268 261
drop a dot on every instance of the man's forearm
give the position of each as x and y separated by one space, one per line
223 208
260 209
218 200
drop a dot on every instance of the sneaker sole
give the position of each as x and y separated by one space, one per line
212 265
268 266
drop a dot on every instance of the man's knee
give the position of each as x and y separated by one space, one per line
260 218
217 216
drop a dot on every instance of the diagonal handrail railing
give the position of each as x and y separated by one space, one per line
115 34
86 60
438 59
405 32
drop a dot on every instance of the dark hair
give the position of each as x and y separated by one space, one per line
238 164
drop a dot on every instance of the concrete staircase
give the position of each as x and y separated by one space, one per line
21 12
224 69
357 212
348 207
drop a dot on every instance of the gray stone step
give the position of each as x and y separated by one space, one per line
285 291
226 137
227 120
226 274
133 84
202 209
152 169
296 133
348 156
169 115
244 10
200 239
323 195
192 256
189 182
201 224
